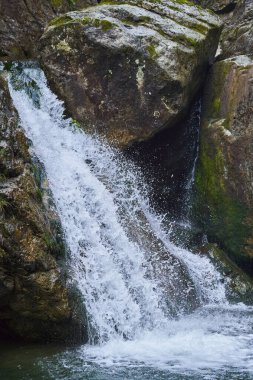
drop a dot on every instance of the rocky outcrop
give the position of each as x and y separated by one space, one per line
128 71
239 286
34 302
22 23
225 172
237 37
218 6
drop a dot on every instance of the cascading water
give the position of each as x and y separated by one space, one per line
136 285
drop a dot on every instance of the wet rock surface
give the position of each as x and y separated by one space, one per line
34 301
225 171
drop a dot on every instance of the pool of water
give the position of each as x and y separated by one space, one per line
212 343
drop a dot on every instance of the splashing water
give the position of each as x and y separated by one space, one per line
133 280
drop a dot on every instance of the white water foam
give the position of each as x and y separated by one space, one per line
212 339
109 228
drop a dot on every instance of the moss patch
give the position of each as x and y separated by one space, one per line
56 3
221 216
105 25
61 20
152 51
216 105
184 39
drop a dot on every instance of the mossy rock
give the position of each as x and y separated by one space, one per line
224 195
239 286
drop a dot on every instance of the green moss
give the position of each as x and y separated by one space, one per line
38 177
2 177
3 204
152 51
37 173
184 2
240 284
3 254
97 23
217 80
54 243
184 39
106 2
155 1
39 194
61 20
72 3
134 21
76 125
222 217
162 32
144 19
105 24
216 104
128 21
56 3
200 28
8 66
48 240
3 152
132 2
220 206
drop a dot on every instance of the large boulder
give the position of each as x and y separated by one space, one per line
34 301
224 175
22 23
130 70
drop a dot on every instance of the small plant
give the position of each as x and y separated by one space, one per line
2 178
75 124
72 2
39 194
8 66
3 204
54 245
3 152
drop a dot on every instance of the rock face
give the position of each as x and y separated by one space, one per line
239 285
237 37
128 71
34 304
225 172
218 6
22 23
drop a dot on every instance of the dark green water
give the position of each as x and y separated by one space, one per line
210 344
33 362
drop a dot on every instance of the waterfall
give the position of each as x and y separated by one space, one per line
131 277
